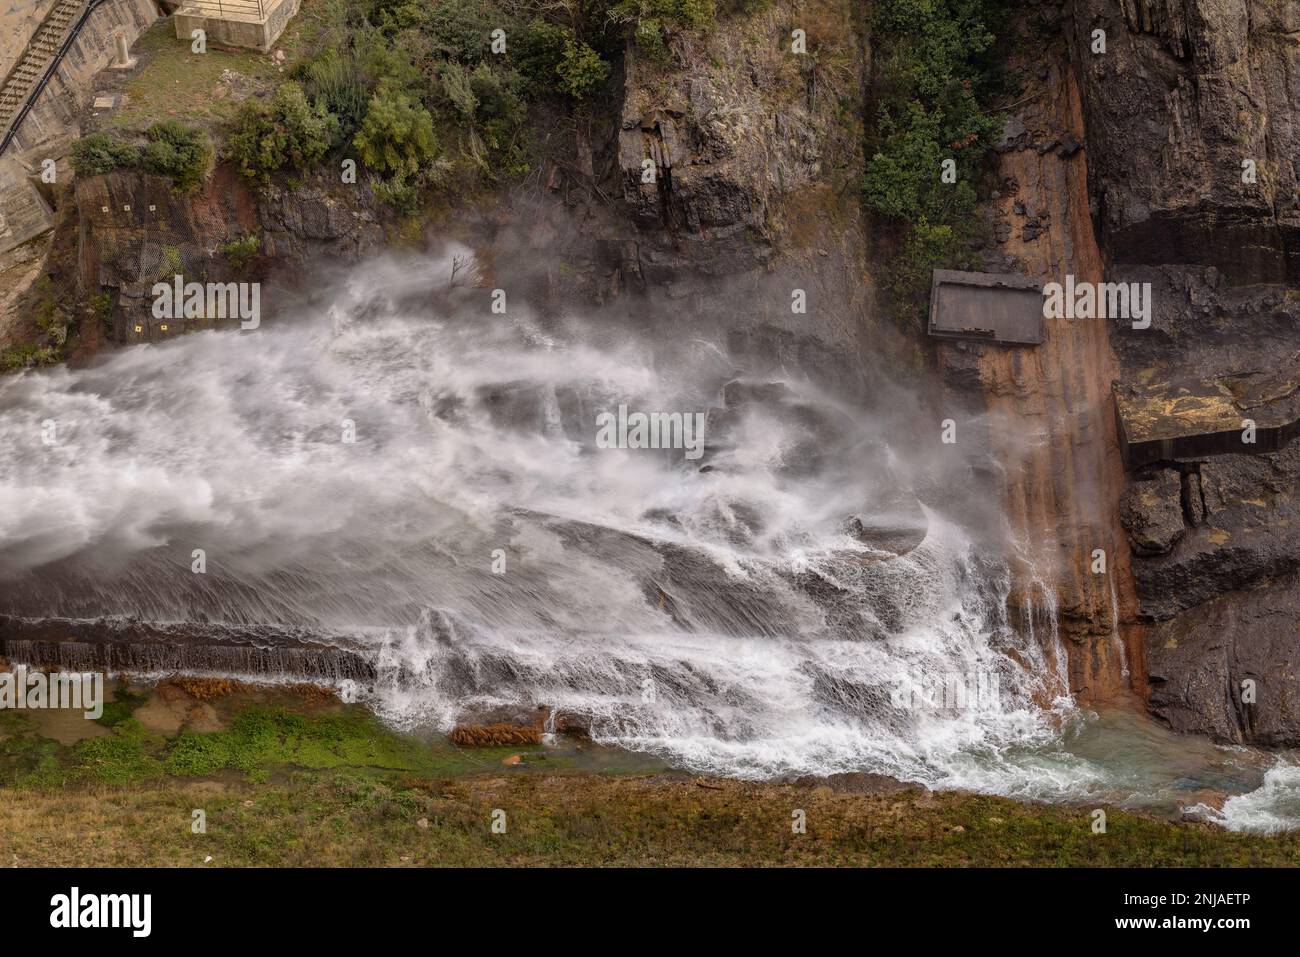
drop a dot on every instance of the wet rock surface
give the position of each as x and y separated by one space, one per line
1152 513
1230 667
1203 92
1198 88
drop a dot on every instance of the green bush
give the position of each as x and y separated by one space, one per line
674 14
239 252
652 19
381 63
538 50
263 138
454 81
396 135
903 175
580 70
102 153
333 82
27 356
399 192
460 29
178 152
498 96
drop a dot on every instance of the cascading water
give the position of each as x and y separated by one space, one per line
420 478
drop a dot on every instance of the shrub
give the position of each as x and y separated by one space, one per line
538 50
102 153
396 135
460 28
381 64
675 14
399 192
581 69
498 96
903 175
333 83
178 152
650 19
928 246
239 252
27 356
454 81
263 138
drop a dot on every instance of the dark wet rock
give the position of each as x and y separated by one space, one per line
1152 512
572 724
1194 88
135 231
1014 135
1205 664
897 524
1243 529
739 393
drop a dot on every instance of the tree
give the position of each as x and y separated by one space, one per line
102 153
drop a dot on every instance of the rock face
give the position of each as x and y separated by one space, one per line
707 154
1193 151
1051 433
1152 513
1191 93
136 231
1230 668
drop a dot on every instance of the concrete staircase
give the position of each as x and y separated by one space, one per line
41 50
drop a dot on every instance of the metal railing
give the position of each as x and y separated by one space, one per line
50 70
227 9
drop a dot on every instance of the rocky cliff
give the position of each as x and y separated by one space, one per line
1193 133
134 230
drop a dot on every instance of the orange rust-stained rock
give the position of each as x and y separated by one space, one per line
1053 407
494 735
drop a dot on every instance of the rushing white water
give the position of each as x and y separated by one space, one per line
410 469
1272 808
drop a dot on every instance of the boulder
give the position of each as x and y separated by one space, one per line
1230 668
1152 513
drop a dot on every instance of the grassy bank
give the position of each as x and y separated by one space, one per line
348 819
294 778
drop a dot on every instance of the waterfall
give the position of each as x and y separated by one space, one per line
404 489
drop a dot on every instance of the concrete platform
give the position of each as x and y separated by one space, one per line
236 23
1196 418
986 307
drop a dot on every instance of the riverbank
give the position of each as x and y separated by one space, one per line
292 777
